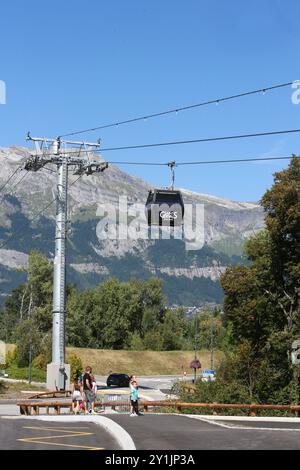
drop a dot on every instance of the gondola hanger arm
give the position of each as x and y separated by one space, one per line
172 165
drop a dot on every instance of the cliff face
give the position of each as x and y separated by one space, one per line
188 275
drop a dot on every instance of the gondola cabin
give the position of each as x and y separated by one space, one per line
164 207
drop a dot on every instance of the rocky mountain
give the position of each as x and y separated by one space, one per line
190 276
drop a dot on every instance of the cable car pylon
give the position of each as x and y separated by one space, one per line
49 151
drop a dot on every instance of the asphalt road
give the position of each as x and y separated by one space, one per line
27 434
169 432
151 432
150 387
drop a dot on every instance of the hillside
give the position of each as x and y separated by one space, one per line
104 361
190 277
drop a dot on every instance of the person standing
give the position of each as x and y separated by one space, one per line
134 397
88 388
94 393
132 378
76 398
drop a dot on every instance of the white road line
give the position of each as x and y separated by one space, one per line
239 427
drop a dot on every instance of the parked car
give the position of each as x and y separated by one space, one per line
118 380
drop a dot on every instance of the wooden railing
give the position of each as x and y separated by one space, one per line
29 406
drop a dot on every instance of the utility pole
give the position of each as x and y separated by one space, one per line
212 342
62 154
30 339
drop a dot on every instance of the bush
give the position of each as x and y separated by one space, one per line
40 362
76 366
11 358
135 342
218 392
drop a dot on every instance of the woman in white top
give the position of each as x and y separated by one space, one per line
77 398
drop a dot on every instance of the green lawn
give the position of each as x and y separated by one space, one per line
37 375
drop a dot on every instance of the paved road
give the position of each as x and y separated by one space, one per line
24 434
162 432
153 431
150 387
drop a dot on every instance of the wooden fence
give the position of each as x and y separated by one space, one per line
27 407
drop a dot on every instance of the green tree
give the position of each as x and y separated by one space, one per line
282 207
173 330
262 300
11 314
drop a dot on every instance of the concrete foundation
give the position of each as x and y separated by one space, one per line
53 375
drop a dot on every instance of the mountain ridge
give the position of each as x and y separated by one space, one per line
227 225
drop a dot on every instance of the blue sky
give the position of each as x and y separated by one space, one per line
70 64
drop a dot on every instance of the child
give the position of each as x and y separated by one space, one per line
76 398
134 397
132 378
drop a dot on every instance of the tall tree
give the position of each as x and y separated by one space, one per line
262 300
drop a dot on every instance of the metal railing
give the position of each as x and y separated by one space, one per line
114 401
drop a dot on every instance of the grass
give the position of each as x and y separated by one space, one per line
10 390
21 373
103 361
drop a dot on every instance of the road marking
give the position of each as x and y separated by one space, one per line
60 435
71 433
60 444
239 427
57 429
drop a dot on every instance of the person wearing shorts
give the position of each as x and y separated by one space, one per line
93 394
77 398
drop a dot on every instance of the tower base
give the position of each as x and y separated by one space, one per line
57 379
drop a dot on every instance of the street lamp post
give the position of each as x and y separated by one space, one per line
212 343
195 363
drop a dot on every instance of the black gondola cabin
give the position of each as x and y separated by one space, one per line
164 207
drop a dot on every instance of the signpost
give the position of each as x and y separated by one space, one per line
195 364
